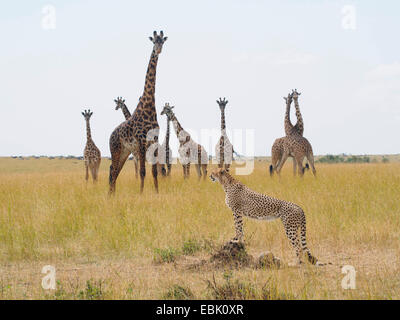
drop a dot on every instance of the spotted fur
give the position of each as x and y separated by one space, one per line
224 148
91 154
120 104
245 202
293 144
140 131
189 151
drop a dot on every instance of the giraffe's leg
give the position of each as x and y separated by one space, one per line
299 160
142 165
162 170
310 158
93 172
87 172
154 171
184 171
227 167
135 160
282 161
238 219
276 155
197 166
168 169
188 170
118 158
204 168
294 166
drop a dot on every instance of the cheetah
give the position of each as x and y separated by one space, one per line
245 202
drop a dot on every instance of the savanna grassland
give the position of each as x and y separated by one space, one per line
142 247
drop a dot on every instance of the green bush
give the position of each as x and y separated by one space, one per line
165 255
190 247
178 292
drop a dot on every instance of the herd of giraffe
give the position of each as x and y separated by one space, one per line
138 135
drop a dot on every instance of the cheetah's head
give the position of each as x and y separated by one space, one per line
218 175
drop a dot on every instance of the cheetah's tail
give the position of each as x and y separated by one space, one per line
304 247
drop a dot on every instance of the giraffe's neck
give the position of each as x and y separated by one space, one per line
125 111
147 101
181 134
288 123
177 126
167 134
300 124
88 133
223 127
167 143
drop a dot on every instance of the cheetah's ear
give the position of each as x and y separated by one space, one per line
223 171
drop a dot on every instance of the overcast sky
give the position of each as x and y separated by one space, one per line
343 56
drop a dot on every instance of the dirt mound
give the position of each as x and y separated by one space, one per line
268 260
234 255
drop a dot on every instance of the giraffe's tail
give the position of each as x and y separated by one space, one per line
110 176
310 257
271 170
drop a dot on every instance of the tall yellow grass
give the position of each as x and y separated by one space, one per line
50 215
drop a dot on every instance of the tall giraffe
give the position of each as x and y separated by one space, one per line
166 150
278 146
300 123
91 154
120 104
141 130
224 148
293 144
189 151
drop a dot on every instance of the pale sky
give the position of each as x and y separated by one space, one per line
347 67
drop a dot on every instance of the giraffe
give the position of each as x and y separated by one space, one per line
224 148
166 150
293 144
141 130
189 151
91 154
120 104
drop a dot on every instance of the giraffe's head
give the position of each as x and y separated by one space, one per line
158 41
87 114
295 94
119 103
289 98
167 110
222 103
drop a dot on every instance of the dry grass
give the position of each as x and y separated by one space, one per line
139 247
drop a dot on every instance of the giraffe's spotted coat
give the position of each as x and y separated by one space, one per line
293 144
91 153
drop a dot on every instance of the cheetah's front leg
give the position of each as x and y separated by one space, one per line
238 218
